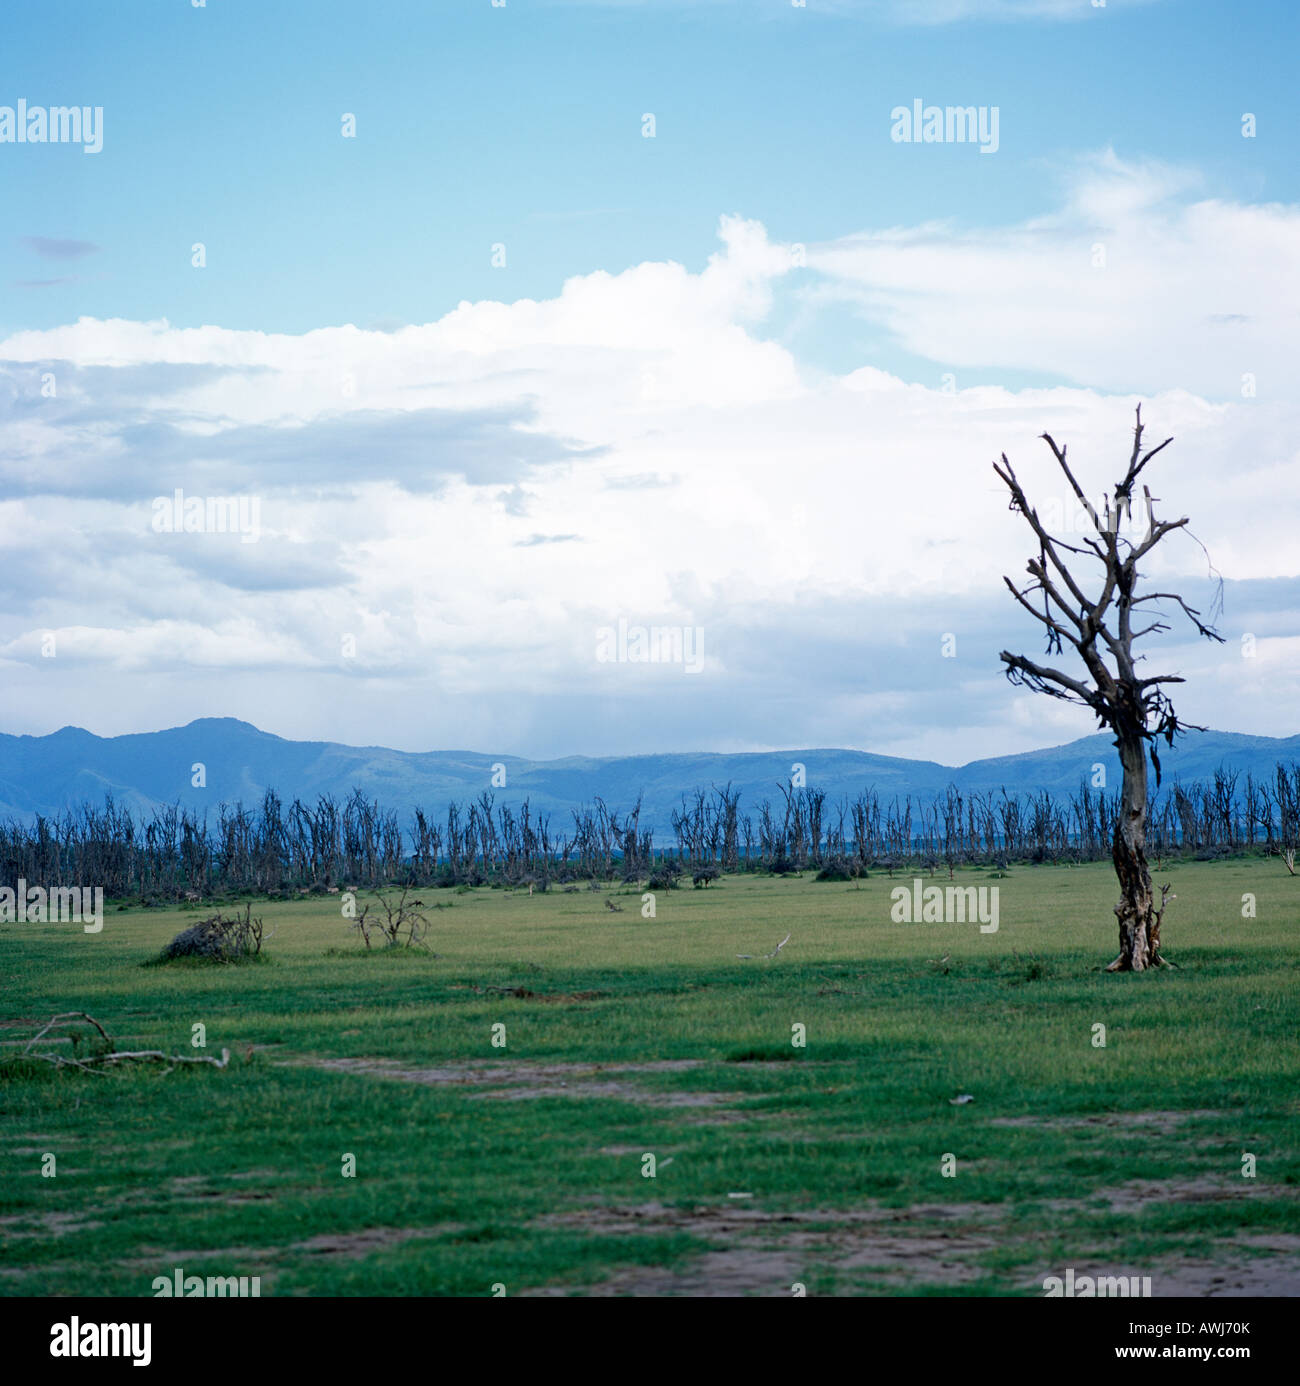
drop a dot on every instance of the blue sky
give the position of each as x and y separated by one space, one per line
744 378
521 125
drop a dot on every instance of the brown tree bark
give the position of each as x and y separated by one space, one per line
1139 925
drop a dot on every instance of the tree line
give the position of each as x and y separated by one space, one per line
176 851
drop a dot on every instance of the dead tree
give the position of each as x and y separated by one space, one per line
1099 629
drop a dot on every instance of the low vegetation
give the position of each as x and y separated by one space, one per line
499 1098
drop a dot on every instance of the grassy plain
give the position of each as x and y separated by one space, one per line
524 1166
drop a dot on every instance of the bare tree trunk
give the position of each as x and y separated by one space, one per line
1137 709
1139 922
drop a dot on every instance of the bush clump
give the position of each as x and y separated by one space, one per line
219 938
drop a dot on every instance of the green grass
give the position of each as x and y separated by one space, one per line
840 1143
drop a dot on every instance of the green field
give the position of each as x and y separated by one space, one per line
523 1166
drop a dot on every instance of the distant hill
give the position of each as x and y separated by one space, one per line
46 774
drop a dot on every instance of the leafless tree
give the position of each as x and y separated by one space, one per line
404 923
1099 628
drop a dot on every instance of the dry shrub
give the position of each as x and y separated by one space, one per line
220 938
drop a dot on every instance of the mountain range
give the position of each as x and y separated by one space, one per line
48 774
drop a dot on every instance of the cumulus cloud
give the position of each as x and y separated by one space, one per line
451 512
1133 284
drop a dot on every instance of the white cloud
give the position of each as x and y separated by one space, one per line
1129 286
824 531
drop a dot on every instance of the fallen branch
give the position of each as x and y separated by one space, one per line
99 1063
157 1055
68 1015
772 954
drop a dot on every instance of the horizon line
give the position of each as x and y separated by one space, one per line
639 755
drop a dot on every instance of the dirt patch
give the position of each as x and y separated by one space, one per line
1136 1194
1165 1123
345 1245
625 1092
1270 1276
526 994
716 1273
1139 1193
165 1262
1270 1241
725 1220
768 1251
658 1066
473 1074
355 1244
199 1186
523 1082
48 1224
902 1248
935 1260
1264 1276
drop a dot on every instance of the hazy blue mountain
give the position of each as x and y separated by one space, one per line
46 774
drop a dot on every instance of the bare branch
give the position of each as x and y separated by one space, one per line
1025 671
